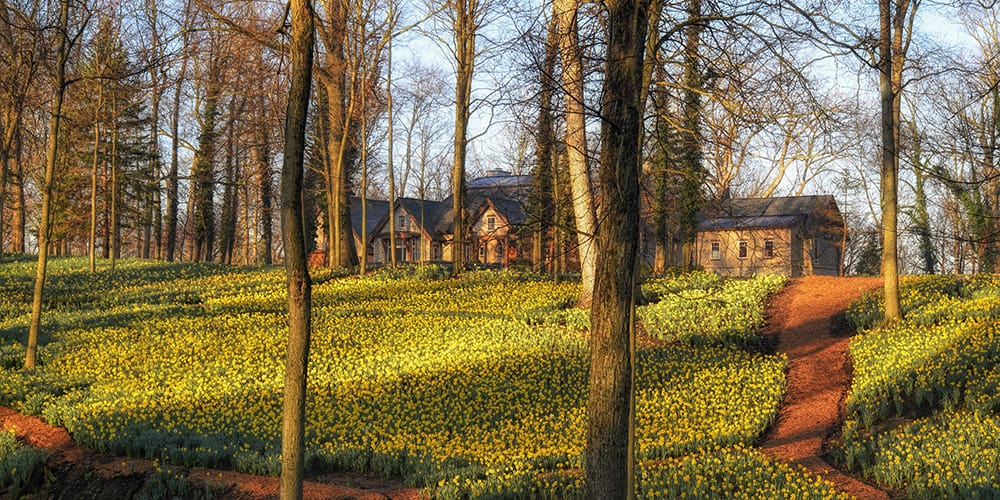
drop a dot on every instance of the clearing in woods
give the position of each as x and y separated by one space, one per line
806 319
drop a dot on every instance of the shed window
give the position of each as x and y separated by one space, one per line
768 249
743 249
716 250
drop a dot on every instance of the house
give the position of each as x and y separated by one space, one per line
374 211
494 211
796 236
417 231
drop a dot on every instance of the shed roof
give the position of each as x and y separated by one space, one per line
745 213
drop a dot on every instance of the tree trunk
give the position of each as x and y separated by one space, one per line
889 175
576 143
691 139
93 183
542 204
116 227
227 223
203 171
20 210
170 220
389 145
293 232
609 464
264 192
55 121
465 53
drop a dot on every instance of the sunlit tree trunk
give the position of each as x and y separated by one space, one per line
93 183
55 122
464 31
293 233
115 222
609 461
576 143
889 176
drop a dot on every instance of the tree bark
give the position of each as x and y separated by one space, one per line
264 192
609 464
93 182
55 122
389 144
203 170
465 53
115 221
293 233
691 138
889 175
170 220
576 143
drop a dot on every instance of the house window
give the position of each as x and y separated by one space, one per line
716 250
491 223
401 222
744 249
768 249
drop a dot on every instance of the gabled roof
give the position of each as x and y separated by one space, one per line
376 209
432 214
746 213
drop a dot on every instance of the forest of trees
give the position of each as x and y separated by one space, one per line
172 115
154 129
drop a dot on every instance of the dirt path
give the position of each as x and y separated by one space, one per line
807 317
77 472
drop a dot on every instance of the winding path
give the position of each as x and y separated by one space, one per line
807 318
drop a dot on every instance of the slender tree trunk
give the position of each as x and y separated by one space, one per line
55 122
609 464
227 229
889 176
363 257
172 181
4 168
465 52
542 203
576 143
691 139
264 187
391 166
116 227
293 232
93 183
20 210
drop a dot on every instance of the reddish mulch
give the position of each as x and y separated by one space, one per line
76 472
807 318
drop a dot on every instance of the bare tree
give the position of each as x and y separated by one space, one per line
293 233
63 47
565 15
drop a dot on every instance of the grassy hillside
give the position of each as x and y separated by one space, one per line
470 387
923 407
